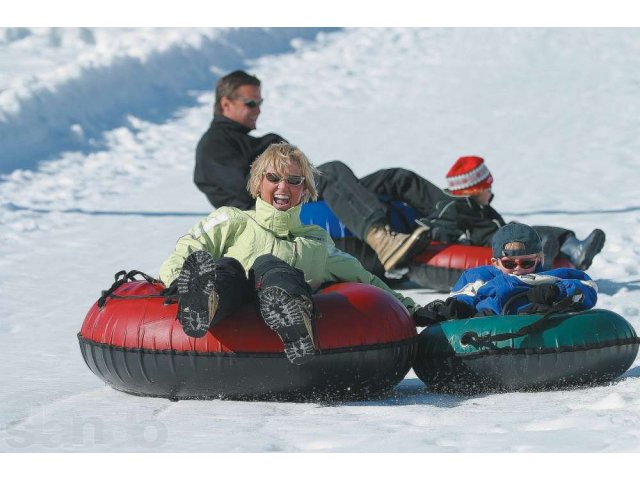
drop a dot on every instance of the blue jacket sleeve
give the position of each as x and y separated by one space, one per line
470 283
578 285
459 288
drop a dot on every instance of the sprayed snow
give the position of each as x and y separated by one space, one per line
553 111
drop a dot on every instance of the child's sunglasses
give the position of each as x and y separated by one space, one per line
525 263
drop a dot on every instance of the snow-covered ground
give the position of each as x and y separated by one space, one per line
97 134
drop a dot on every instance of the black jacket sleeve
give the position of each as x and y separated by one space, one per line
462 219
220 178
478 222
223 160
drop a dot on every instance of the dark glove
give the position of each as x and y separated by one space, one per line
454 308
443 231
439 311
544 294
429 314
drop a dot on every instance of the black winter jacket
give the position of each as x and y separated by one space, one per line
223 158
463 220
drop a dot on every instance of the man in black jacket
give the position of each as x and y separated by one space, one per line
226 150
468 218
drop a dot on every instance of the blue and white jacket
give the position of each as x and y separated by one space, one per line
488 288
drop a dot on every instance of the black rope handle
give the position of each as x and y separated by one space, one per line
511 301
540 325
121 278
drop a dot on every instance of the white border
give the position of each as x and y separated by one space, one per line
252 13
492 466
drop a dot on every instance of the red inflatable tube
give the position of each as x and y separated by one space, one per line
366 337
438 268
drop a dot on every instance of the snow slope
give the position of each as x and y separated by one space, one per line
553 111
95 79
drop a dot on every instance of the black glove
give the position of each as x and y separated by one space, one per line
429 314
440 230
544 294
445 233
439 311
454 308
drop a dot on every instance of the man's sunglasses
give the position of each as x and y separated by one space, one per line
525 263
291 179
249 102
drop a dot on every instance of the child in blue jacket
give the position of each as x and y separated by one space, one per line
515 271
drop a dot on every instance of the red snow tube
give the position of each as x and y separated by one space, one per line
441 265
135 343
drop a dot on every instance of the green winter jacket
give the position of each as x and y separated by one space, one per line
245 235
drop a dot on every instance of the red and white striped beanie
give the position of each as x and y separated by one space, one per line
469 176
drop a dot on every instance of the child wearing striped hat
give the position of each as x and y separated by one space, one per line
467 217
469 176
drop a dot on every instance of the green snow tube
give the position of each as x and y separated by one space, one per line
525 352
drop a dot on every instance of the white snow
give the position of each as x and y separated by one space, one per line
102 125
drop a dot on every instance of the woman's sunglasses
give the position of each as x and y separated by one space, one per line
291 179
525 263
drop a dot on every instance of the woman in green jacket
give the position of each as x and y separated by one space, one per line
232 254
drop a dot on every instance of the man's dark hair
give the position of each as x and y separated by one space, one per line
227 86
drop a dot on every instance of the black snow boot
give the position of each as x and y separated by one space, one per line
209 291
291 317
581 253
284 298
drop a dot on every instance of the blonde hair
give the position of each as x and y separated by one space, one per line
279 156
514 246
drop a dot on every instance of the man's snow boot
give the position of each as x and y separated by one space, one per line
393 248
581 253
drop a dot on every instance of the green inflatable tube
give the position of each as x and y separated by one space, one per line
525 352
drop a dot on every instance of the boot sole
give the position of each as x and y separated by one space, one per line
198 299
595 247
415 245
291 319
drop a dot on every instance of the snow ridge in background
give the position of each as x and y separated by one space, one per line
87 81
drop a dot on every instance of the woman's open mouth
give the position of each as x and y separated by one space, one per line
280 201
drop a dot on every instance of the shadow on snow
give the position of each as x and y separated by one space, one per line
20 208
571 212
